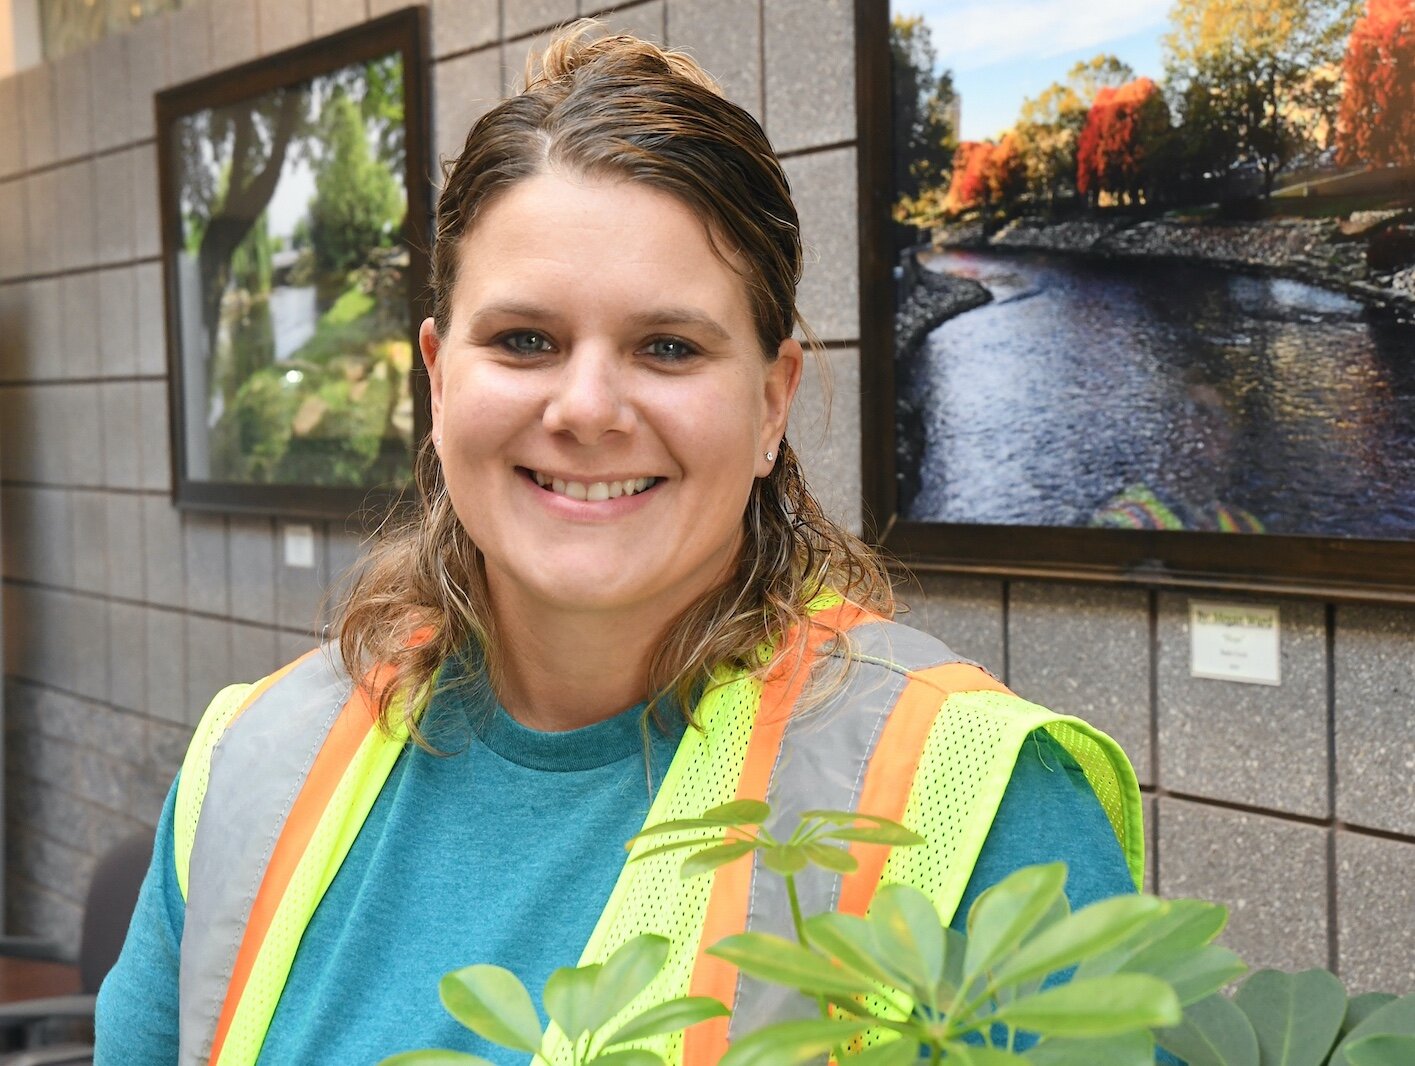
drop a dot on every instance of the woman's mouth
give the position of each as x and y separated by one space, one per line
592 491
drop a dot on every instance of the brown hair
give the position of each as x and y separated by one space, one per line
618 107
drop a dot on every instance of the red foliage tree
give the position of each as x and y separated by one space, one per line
1377 119
1121 130
1006 170
969 186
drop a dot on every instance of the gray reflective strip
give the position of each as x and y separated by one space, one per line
253 783
824 754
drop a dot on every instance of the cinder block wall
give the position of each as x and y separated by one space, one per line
1294 805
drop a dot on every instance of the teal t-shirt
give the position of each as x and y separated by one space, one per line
505 851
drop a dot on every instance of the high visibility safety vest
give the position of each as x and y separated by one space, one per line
281 775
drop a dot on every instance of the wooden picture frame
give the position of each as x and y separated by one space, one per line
295 214
1355 568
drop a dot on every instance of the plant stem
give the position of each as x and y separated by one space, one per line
800 923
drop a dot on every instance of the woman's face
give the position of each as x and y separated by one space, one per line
601 398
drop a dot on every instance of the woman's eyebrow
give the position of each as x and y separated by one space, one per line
679 316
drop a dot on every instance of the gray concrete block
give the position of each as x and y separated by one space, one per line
465 89
82 425
78 217
67 818
16 422
1375 900
122 466
12 322
251 543
254 653
1151 805
110 93
49 458
17 638
1375 741
78 326
14 242
826 435
147 229
42 221
113 177
164 578
151 329
42 326
73 109
35 911
810 73
147 72
166 667
41 522
127 655
204 547
963 612
460 25
56 627
12 148
233 32
291 645
327 16
299 590
1271 874
343 551
167 747
208 662
154 442
56 866
188 44
118 339
37 117
1085 650
1223 739
126 548
85 630
823 185
532 16
89 511
283 24
725 37
644 21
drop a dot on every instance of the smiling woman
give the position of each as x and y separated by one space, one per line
620 603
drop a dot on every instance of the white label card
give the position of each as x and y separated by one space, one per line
299 546
1235 642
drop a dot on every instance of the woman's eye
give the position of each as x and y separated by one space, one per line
526 342
670 349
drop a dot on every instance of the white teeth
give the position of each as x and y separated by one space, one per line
595 491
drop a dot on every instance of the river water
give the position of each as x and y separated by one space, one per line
1087 376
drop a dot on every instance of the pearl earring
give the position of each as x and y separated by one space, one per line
770 456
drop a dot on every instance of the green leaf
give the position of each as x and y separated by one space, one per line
668 1018
739 812
1080 935
569 999
903 1052
784 859
845 817
710 859
1189 925
1199 974
626 973
492 1003
627 1057
435 1057
1213 1033
1007 912
1383 1049
835 859
775 959
1297 1016
1359 1008
848 939
1100 1006
1396 1018
967 1055
678 845
1125 1049
893 835
791 1043
908 939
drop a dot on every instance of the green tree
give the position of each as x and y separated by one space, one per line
358 202
1257 77
924 134
1050 123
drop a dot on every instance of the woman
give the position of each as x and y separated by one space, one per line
619 592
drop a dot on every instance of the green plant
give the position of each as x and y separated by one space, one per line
581 1000
1298 1019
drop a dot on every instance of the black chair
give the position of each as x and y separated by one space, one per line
108 909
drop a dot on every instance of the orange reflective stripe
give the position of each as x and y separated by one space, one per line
705 1043
348 732
890 776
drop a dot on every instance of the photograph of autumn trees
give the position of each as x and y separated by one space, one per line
1155 264
292 284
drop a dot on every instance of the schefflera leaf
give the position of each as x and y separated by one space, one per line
1213 1032
1296 1016
492 1002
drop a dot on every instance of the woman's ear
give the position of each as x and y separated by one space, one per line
783 377
430 345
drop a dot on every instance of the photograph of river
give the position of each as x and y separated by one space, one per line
1156 265
291 283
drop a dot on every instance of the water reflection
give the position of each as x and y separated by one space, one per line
1088 376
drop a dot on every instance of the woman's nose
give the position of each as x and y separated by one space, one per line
588 398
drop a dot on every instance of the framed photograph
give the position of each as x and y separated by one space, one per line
295 220
1138 291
